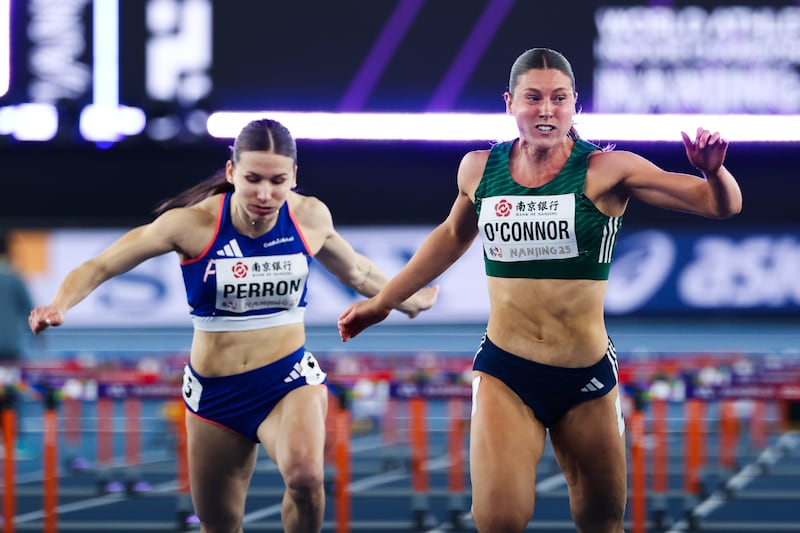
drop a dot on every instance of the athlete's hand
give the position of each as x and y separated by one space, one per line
359 316
422 300
45 316
707 151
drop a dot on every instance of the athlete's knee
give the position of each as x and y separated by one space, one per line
304 482
220 522
490 518
605 515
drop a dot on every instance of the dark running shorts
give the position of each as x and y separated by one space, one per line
550 391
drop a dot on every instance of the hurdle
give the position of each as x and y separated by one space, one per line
104 446
184 512
9 420
660 463
50 454
759 438
456 479
419 456
638 459
132 408
340 415
441 422
725 440
72 406
417 397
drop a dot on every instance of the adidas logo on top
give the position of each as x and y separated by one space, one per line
231 250
593 385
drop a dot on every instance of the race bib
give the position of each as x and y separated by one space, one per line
191 390
253 283
528 228
310 369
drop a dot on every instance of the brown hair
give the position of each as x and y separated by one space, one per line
541 59
264 135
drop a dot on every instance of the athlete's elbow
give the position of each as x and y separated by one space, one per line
728 211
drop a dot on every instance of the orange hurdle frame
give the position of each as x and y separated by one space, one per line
9 467
50 445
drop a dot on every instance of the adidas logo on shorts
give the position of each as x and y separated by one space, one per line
594 385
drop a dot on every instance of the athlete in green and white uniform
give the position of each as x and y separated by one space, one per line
550 231
548 207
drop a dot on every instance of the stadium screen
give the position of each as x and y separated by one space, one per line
106 71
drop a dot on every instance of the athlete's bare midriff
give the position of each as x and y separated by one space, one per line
223 353
550 321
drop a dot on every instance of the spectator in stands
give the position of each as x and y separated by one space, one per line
15 305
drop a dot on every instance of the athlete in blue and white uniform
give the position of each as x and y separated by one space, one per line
548 206
245 241
242 283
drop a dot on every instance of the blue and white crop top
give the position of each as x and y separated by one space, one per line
239 283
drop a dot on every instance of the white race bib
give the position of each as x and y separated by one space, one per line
311 370
252 283
528 228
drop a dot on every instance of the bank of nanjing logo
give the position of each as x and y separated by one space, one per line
503 208
239 270
230 250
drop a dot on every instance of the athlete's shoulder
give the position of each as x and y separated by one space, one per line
614 159
205 211
304 205
309 211
474 161
190 227
477 155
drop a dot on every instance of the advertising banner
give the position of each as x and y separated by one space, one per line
653 271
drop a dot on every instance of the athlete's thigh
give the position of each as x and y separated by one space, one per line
221 463
506 444
589 443
294 432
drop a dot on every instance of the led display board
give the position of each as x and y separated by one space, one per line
154 70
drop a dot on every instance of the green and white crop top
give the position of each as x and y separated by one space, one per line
552 231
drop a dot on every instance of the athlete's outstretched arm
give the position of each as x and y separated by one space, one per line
443 246
134 247
716 195
361 274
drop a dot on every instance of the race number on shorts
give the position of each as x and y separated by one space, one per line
191 390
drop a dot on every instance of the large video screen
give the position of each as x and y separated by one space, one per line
81 71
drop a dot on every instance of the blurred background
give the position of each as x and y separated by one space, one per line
104 109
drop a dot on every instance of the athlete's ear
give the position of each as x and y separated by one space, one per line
294 178
229 171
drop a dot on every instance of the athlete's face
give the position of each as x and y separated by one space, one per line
543 105
262 181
